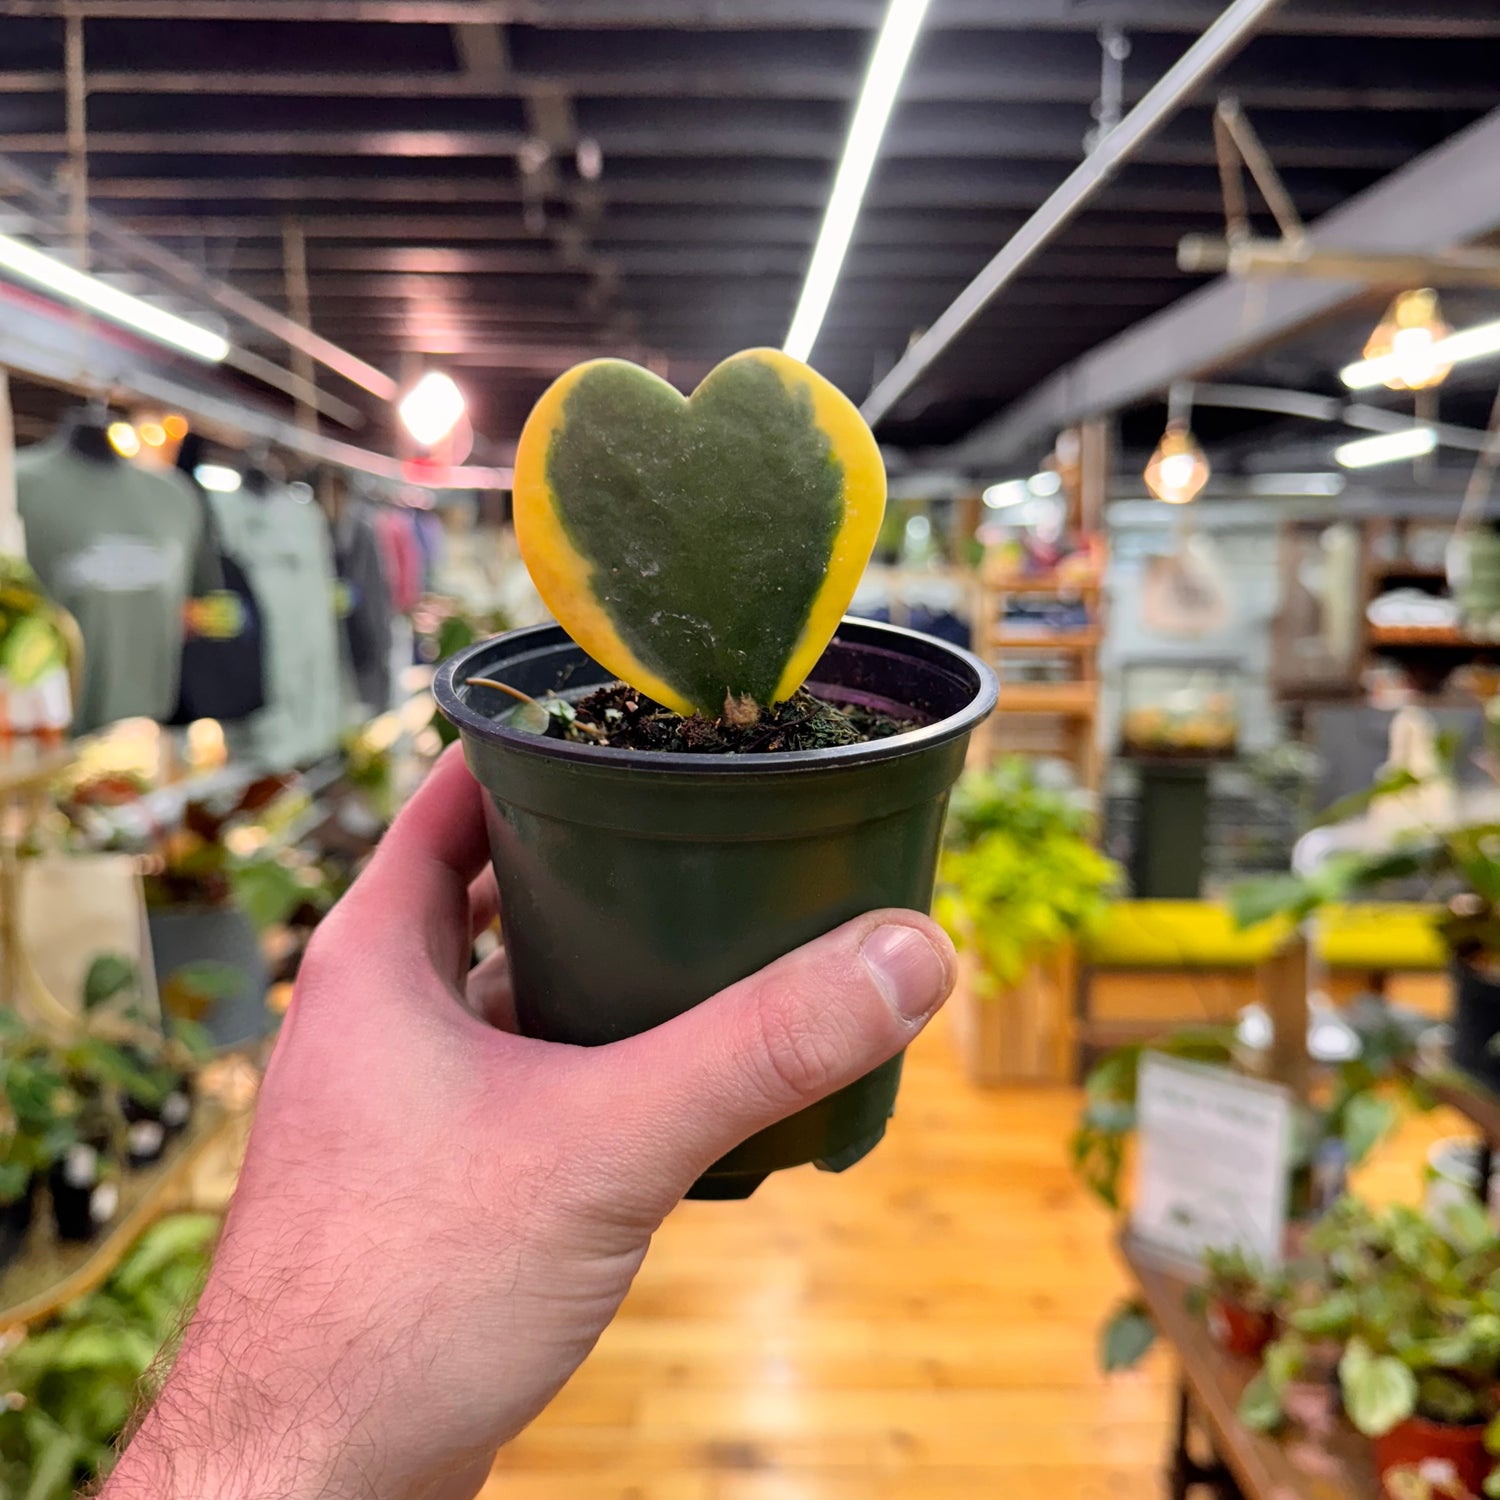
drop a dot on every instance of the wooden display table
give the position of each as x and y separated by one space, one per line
49 1273
1211 1384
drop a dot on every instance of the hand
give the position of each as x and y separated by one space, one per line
437 1218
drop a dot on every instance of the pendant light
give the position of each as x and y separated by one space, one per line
1404 348
1179 468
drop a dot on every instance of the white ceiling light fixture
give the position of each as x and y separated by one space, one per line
1009 492
1478 342
893 49
1296 484
1386 448
218 477
1045 482
431 409
52 275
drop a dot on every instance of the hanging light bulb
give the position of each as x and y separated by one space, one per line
1405 343
431 409
123 439
1178 469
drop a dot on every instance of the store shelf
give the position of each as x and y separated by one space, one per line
1263 1467
28 767
1046 640
1448 637
1041 583
50 1273
1074 700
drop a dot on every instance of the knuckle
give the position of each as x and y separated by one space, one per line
799 1057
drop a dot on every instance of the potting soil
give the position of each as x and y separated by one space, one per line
620 716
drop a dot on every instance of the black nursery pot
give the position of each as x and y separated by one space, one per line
83 1200
635 884
15 1224
1476 1022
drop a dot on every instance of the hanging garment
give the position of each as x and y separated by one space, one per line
121 549
367 607
223 671
283 545
403 558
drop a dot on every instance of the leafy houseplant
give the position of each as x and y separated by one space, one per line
69 1389
703 550
1415 1306
1458 864
1242 1298
1018 875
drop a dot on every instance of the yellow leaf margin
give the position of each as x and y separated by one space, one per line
563 577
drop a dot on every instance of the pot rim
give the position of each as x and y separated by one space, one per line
446 689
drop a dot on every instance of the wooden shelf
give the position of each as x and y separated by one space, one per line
1041 583
1464 1094
28 767
1074 700
49 1273
1385 637
1088 639
1263 1467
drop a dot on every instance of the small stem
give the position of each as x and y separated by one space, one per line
503 687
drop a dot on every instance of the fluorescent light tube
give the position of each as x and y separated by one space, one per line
1296 484
45 271
1470 343
893 49
1386 448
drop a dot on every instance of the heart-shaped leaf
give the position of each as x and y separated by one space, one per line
702 549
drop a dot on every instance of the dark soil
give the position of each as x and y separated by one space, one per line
620 716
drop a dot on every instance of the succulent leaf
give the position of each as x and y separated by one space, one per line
704 548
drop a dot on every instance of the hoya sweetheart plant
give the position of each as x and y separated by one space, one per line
703 764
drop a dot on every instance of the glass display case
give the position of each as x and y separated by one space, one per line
1185 709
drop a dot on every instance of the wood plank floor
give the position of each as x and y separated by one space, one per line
922 1327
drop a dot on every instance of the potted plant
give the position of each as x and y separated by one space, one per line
67 1390
1241 1298
1457 864
1017 881
687 803
1415 1306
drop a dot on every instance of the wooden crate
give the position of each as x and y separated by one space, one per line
1017 1035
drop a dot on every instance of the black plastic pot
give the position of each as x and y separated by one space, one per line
84 1199
15 1224
635 884
1476 1023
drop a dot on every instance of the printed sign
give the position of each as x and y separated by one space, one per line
1214 1160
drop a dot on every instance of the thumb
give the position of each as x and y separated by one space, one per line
782 1039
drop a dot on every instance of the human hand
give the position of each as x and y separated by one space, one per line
437 1218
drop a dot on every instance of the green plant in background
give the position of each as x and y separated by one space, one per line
1234 1275
1415 1306
69 1389
1018 876
1460 862
31 644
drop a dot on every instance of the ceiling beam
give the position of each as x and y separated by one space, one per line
983 82
915 263
950 139
1446 197
1413 18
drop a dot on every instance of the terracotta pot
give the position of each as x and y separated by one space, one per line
1240 1330
1435 1452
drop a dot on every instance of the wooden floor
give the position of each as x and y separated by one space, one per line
922 1327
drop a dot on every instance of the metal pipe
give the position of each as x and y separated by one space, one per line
1160 101
77 163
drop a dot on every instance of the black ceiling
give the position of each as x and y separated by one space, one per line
431 154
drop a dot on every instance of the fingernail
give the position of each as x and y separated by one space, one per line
908 970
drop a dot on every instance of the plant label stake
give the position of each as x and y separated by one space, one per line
703 549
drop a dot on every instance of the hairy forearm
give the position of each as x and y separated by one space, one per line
224 1428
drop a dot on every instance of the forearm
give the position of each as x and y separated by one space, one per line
222 1427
